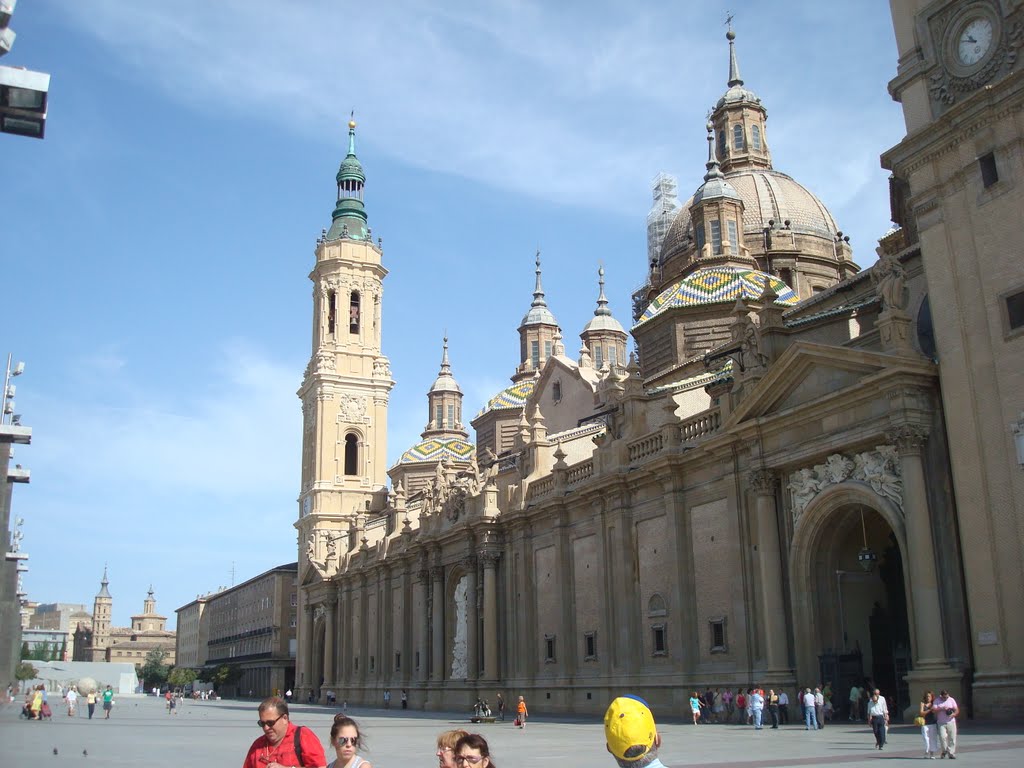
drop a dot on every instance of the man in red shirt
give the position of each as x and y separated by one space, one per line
277 746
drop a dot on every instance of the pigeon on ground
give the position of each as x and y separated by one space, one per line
85 752
55 750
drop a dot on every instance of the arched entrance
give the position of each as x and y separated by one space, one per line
850 596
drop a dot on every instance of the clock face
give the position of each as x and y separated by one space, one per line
974 41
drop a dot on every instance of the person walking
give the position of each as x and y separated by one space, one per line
878 716
108 702
521 713
946 710
756 708
695 707
773 708
90 702
72 699
501 707
810 720
929 728
819 707
283 743
346 739
630 734
855 694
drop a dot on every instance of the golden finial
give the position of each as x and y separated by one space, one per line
352 119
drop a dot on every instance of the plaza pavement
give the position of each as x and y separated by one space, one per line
218 733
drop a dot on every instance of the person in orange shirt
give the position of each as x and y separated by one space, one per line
521 712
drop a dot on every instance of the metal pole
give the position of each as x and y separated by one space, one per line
842 618
7 378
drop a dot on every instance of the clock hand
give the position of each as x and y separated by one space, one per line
971 39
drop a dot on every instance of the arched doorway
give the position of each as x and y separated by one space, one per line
849 595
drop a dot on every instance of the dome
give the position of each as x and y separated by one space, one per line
539 315
767 195
453 450
604 323
714 188
717 285
736 94
446 383
511 397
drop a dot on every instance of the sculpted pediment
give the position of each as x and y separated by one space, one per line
808 372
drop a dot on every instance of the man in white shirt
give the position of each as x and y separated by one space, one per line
946 710
878 716
783 707
757 707
810 720
819 707
72 700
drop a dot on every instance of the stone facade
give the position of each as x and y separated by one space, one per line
762 496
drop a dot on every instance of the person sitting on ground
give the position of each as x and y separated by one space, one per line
630 733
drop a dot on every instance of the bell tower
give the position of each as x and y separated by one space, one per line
347 381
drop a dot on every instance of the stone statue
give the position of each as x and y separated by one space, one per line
804 485
890 280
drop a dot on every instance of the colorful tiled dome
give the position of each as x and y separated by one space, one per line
512 397
451 450
717 285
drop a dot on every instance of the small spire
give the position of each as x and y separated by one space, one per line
352 134
538 290
712 165
446 369
602 300
734 67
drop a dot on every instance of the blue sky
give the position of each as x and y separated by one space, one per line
156 245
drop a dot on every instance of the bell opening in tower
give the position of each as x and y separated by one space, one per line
353 313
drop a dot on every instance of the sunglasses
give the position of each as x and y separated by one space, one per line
344 741
268 723
471 759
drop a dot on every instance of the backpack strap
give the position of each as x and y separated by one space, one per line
298 744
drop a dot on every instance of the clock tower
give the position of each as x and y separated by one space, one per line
958 194
346 385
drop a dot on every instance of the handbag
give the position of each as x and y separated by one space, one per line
517 721
918 721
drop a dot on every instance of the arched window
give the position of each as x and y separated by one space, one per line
353 312
737 137
721 145
755 137
332 315
656 605
351 454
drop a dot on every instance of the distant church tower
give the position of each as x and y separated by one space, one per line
102 608
344 391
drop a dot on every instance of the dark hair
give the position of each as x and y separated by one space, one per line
477 742
925 695
274 702
341 721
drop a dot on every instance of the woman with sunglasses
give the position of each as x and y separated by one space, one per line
471 751
446 747
346 739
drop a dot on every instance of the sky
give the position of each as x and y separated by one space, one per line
156 245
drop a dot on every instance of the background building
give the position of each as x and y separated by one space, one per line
252 630
99 641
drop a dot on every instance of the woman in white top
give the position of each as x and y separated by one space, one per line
878 716
346 739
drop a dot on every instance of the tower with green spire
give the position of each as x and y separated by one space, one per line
349 217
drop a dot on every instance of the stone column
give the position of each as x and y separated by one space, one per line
307 645
927 617
772 606
422 627
385 633
340 671
490 561
364 630
566 649
329 646
472 621
437 624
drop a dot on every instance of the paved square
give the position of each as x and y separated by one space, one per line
141 733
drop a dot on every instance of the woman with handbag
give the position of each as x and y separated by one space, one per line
878 716
929 729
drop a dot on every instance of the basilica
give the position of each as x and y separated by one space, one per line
802 473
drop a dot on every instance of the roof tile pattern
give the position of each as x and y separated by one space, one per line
512 397
717 285
453 450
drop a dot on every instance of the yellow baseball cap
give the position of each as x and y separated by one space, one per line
629 728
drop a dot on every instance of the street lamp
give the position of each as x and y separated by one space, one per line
23 93
8 391
866 557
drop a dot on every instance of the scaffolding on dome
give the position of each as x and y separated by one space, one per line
666 203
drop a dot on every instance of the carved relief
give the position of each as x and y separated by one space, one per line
352 408
762 481
879 469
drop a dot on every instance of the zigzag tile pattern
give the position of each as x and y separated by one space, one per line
717 285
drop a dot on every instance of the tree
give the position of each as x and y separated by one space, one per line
154 671
41 652
25 671
226 674
182 676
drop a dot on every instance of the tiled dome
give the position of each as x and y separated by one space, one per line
717 285
767 195
452 450
511 397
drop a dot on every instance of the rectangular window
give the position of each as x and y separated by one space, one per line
535 353
1015 310
699 229
734 239
549 649
547 350
398 661
716 236
295 599
355 663
659 644
417 659
372 663
438 415
589 646
612 356
598 356
717 627
332 316
989 172
451 416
